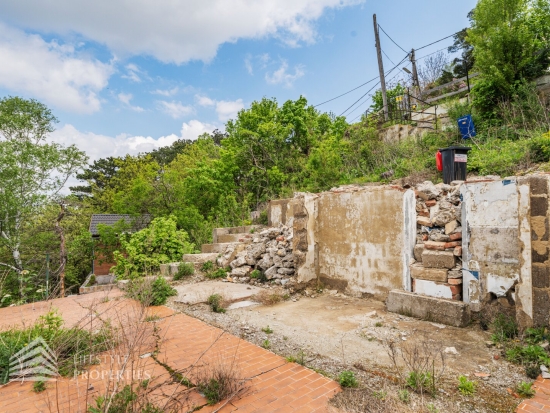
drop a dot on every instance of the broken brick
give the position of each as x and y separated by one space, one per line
458 251
434 245
454 281
456 289
455 237
453 244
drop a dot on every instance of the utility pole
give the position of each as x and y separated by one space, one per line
416 83
380 68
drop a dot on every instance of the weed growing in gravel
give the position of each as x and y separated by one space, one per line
504 328
431 408
465 386
267 330
404 396
380 394
266 344
268 298
219 273
347 379
379 324
525 389
207 266
216 303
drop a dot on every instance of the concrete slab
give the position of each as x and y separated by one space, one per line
453 313
199 293
242 304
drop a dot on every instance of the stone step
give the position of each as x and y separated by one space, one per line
438 310
219 248
240 237
247 229
200 258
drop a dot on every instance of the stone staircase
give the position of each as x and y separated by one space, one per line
227 243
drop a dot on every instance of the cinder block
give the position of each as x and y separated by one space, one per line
453 313
438 259
431 274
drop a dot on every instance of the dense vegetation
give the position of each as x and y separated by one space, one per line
269 151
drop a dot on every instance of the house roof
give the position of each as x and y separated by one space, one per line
136 222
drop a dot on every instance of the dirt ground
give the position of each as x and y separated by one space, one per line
330 332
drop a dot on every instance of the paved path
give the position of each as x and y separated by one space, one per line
540 402
183 345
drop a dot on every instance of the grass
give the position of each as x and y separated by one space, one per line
504 328
267 330
67 343
404 396
525 389
465 386
347 379
420 381
38 386
299 358
216 302
219 273
379 324
268 298
207 266
266 344
152 318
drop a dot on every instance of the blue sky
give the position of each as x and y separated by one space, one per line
128 76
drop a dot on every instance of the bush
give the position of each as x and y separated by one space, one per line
504 328
185 269
530 354
149 292
216 303
347 379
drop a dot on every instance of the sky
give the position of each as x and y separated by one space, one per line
128 76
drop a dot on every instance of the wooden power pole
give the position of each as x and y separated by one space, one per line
380 68
416 83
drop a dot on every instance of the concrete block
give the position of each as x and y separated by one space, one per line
434 245
418 250
438 259
433 289
451 226
431 274
453 313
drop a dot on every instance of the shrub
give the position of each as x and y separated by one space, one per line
149 292
465 386
420 381
216 303
185 269
525 389
530 354
347 379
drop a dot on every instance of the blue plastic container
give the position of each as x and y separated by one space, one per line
466 127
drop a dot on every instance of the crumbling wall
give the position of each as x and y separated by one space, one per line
359 239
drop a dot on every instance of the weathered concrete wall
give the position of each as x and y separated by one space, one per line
280 212
360 241
491 251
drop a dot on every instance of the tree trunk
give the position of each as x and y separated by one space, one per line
62 249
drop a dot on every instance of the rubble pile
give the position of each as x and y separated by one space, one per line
437 271
270 252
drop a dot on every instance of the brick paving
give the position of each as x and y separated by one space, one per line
540 402
183 343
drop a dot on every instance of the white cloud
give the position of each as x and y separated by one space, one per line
204 100
262 61
100 146
173 31
281 76
228 109
51 72
176 110
166 92
134 73
126 98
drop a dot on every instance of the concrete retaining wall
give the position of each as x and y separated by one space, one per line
359 241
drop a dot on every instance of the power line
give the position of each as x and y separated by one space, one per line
437 41
387 56
349 91
437 51
391 70
391 39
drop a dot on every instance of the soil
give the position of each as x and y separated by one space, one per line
330 332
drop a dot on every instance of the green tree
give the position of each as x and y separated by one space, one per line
32 170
